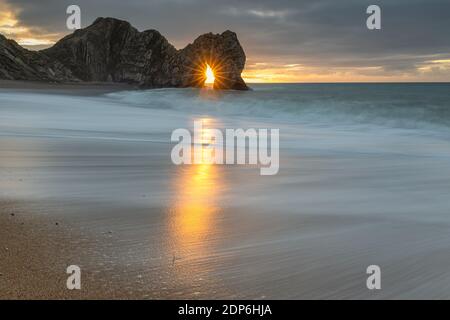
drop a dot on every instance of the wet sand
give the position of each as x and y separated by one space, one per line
140 227
31 255
77 89
127 258
36 251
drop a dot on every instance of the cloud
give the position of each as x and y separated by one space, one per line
324 36
270 13
12 27
264 14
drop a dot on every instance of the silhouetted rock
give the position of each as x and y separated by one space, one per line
17 63
221 51
111 50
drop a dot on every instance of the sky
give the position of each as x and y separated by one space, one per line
284 40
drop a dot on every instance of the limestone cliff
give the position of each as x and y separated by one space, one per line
111 50
17 63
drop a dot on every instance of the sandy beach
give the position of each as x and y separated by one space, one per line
29 245
241 151
36 249
86 179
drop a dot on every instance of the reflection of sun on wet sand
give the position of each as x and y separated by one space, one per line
194 209
97 167
193 217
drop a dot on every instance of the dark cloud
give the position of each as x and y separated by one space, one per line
326 33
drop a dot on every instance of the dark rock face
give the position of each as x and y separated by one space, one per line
222 52
17 63
112 50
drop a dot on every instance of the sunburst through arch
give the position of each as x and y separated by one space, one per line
210 77
203 77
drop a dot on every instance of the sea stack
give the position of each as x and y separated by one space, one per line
111 50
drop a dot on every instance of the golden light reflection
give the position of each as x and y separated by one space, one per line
194 219
193 213
196 188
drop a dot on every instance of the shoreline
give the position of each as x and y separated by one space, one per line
79 89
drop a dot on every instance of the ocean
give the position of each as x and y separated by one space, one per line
364 179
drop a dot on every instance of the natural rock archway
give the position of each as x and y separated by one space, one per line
220 51
111 50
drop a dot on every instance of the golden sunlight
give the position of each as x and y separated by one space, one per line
193 217
193 222
210 78
11 27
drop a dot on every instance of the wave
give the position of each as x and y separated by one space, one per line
408 106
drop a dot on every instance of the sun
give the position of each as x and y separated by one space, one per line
210 78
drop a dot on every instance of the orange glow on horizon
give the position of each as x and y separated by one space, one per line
11 27
208 70
277 72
